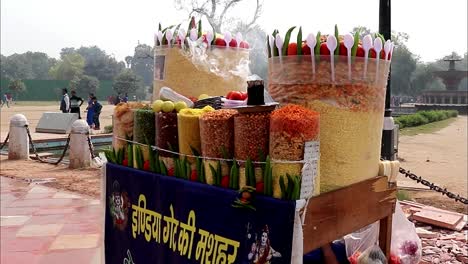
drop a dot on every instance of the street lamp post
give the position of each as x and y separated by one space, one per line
388 145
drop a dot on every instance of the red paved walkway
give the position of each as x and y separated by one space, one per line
42 225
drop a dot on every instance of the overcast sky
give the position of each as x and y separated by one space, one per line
435 27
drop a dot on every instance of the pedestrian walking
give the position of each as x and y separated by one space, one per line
97 111
75 104
65 102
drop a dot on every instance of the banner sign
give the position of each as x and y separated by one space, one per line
152 218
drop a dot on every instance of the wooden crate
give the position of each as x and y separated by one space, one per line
335 214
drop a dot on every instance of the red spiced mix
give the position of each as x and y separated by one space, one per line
251 134
217 133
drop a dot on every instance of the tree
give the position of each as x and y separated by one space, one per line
68 68
128 61
403 65
97 62
66 51
424 78
40 64
16 67
142 63
126 82
3 71
363 31
216 11
17 87
100 64
28 65
85 84
400 38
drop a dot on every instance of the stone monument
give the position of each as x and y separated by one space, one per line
58 123
451 98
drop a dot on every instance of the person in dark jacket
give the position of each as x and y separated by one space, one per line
118 99
75 104
97 111
65 102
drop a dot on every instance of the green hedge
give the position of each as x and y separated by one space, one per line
51 90
424 117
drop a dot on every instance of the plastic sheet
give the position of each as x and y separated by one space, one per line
167 133
143 132
188 125
217 139
197 71
251 135
123 123
290 128
350 101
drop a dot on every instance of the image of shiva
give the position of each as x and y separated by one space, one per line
261 251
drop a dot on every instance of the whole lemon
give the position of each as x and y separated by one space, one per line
180 105
157 105
168 107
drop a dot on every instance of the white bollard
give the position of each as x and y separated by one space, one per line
80 156
18 145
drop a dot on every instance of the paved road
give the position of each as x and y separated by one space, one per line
41 225
440 157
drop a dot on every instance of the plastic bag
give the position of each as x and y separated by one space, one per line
356 243
405 247
96 162
372 255
406 244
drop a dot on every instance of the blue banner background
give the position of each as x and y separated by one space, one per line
213 210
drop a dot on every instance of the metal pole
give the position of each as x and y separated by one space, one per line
388 145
